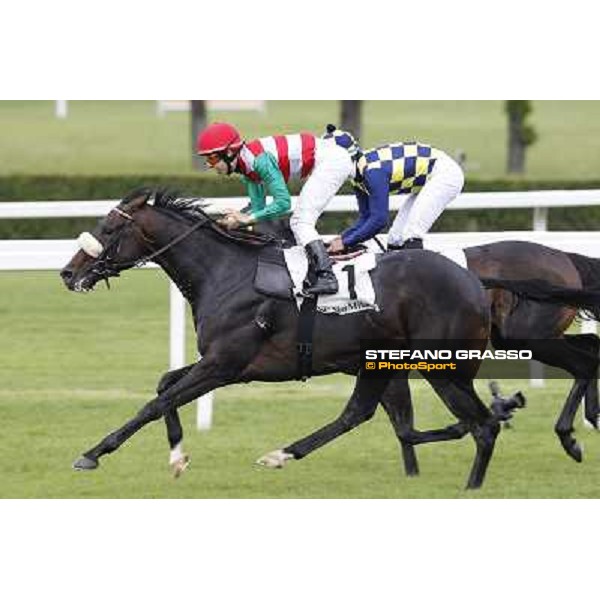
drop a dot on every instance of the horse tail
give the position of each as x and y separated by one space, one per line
589 271
588 300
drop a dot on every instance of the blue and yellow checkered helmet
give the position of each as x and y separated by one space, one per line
344 139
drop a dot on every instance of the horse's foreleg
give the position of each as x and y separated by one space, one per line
178 458
201 378
360 408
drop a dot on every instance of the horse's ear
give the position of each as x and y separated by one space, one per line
138 199
139 191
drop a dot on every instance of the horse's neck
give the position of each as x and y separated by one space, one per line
206 268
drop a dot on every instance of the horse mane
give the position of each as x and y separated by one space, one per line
191 208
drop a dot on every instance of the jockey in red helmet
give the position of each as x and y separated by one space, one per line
219 144
267 164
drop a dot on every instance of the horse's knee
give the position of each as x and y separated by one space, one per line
359 415
164 382
169 378
151 412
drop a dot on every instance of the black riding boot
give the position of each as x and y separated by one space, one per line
410 244
326 282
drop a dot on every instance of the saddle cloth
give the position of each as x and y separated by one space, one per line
281 274
356 292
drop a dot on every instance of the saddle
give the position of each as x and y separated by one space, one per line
273 278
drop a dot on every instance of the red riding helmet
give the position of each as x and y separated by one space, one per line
218 137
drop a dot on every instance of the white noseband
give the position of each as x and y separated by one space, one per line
90 245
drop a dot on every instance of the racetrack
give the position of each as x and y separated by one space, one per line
76 366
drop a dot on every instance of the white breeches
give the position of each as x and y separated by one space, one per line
419 211
333 166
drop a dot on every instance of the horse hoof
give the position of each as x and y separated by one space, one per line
275 459
574 450
180 465
473 486
85 464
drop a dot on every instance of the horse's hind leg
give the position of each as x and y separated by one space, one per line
397 403
576 354
592 404
590 344
360 408
573 354
178 459
485 438
564 426
462 400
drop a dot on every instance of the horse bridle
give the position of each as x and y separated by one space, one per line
105 265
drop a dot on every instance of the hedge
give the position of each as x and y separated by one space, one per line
31 188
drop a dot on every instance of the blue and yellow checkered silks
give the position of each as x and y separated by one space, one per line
342 138
407 164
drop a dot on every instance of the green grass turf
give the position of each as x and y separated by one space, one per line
74 367
117 137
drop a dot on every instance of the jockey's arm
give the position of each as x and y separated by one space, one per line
363 214
377 201
256 193
268 170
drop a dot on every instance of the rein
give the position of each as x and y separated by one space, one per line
106 268
145 259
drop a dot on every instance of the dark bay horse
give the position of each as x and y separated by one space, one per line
540 326
245 336
525 281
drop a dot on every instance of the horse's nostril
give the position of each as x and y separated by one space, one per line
66 274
